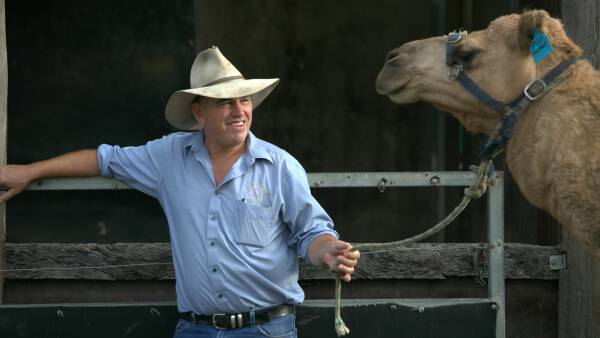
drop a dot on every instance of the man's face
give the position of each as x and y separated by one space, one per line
226 121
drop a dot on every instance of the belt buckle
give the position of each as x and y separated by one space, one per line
214 321
236 321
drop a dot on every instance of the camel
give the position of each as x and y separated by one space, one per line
554 151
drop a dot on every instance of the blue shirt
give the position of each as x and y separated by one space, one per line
235 246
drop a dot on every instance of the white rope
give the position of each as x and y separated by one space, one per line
476 190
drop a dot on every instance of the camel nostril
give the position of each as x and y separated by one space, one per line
391 55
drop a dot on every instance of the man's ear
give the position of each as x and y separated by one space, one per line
529 22
198 112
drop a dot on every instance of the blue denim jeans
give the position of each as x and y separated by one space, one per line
280 327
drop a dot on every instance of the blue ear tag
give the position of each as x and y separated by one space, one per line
540 45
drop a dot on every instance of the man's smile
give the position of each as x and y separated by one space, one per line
239 123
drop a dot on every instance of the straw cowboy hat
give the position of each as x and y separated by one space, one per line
213 76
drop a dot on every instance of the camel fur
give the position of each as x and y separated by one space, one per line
554 153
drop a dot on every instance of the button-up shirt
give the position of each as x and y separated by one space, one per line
235 246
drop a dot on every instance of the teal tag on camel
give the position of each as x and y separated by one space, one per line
540 45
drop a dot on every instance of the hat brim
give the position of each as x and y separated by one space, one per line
179 107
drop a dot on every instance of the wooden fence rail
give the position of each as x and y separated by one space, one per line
415 261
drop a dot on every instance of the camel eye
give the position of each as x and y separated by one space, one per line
464 57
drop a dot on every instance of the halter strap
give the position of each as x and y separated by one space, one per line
509 111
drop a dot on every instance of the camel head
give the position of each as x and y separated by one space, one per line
497 59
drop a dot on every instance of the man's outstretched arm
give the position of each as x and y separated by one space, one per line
16 178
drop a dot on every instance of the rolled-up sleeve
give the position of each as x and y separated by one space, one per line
304 216
140 167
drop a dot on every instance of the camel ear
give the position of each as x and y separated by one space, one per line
529 23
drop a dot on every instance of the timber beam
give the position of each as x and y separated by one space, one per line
152 261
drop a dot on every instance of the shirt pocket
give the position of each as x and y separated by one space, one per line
257 225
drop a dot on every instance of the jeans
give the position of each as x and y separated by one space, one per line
280 327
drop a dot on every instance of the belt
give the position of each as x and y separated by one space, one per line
238 320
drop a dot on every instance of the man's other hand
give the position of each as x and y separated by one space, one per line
13 180
336 255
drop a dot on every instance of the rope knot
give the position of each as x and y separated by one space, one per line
476 192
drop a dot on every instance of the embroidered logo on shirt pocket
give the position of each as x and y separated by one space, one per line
257 225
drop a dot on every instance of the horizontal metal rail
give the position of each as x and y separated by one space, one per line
410 302
316 180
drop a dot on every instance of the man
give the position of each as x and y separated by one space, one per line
239 209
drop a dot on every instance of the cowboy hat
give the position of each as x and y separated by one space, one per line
213 76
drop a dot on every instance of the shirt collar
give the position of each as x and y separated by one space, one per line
254 147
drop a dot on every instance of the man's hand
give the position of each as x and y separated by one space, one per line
327 251
13 180
16 178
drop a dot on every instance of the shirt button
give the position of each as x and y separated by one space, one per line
213 218
220 295
214 269
212 243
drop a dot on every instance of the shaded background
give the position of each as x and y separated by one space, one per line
86 73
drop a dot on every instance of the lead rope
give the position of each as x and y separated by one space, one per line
476 190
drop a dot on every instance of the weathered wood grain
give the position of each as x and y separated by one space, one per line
579 284
416 261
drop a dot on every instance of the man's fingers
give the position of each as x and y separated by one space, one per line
346 277
344 269
6 195
352 254
346 261
342 246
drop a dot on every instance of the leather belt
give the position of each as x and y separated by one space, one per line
238 320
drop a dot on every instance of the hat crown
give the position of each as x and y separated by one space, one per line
211 67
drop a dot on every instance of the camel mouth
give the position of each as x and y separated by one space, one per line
394 87
389 90
388 85
402 96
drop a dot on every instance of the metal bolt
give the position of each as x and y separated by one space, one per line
435 180
494 307
558 262
316 184
154 312
421 309
381 184
393 307
60 314
492 181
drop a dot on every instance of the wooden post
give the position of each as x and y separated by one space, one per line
579 284
3 98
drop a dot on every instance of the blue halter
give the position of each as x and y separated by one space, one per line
509 111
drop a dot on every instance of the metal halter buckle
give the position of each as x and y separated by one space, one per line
454 70
534 89
454 37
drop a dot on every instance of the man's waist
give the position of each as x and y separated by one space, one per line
239 320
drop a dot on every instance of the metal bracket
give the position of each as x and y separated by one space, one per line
381 184
454 71
480 265
558 262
